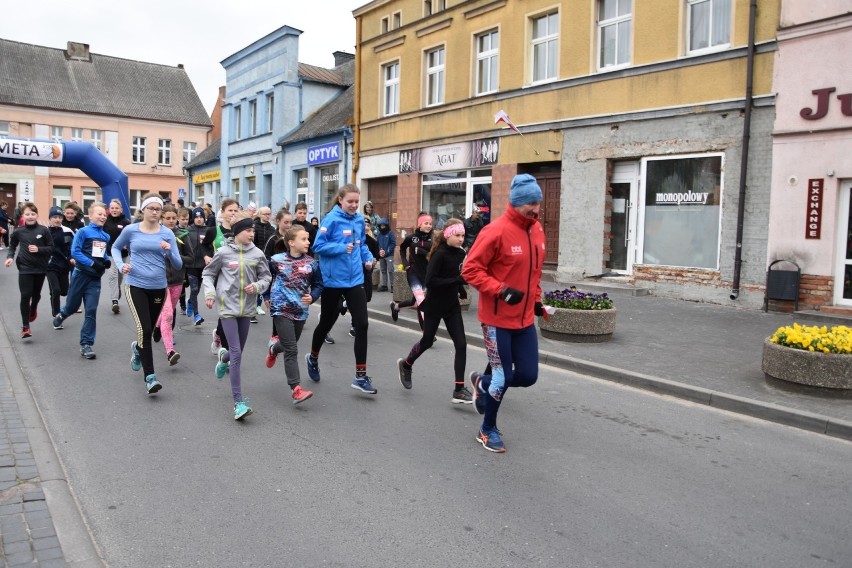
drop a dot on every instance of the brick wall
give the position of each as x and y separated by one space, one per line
407 202
501 181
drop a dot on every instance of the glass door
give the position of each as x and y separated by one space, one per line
843 274
625 191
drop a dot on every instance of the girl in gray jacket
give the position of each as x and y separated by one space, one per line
235 277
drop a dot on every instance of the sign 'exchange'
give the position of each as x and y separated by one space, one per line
813 225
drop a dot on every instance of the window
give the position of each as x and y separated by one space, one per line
487 47
235 183
90 195
164 152
708 24
682 197
329 179
545 37
452 194
390 72
427 8
4 128
252 189
385 25
61 195
270 112
301 186
76 134
56 133
97 138
138 150
435 76
190 150
397 19
614 21
238 123
252 117
136 199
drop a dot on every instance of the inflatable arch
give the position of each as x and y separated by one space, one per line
81 155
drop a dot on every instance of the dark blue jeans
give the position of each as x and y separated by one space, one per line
83 289
518 350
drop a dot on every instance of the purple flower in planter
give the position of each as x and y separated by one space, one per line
573 299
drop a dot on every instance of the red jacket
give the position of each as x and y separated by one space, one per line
508 252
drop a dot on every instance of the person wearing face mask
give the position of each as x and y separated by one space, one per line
115 222
387 246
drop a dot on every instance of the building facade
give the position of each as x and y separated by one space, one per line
810 221
149 127
632 116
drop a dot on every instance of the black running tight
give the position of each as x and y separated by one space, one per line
30 286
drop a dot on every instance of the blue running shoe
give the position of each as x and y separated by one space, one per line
363 384
490 440
152 384
478 400
57 321
313 368
135 359
241 410
190 313
221 365
198 319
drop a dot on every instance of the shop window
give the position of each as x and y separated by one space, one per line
682 210
329 184
444 196
301 187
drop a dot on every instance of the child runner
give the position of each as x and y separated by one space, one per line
297 284
88 249
444 285
36 246
149 244
116 221
235 276
277 243
183 224
60 263
174 280
195 234
413 251
214 239
343 253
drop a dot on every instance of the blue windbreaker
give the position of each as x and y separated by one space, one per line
338 229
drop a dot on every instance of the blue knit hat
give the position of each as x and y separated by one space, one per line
524 190
55 212
198 212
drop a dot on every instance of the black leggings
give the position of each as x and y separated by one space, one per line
357 304
58 284
455 327
30 286
145 305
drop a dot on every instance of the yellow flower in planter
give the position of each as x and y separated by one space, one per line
838 339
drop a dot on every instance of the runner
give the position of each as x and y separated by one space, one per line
413 251
60 264
115 222
34 245
165 325
214 239
195 234
149 244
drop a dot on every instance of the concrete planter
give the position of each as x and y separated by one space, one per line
829 370
579 326
401 290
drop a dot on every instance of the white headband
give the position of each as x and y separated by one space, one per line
150 200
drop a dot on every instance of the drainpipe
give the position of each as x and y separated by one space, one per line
738 256
356 122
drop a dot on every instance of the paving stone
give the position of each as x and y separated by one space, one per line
27 473
35 506
14 547
8 474
6 461
42 532
34 496
38 519
49 554
45 543
11 508
4 485
15 536
20 558
57 563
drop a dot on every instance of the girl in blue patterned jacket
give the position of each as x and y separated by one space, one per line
297 284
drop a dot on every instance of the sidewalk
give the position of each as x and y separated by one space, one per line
704 353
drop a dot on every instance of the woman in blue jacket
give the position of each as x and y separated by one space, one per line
343 255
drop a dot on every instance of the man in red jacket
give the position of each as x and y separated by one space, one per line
504 265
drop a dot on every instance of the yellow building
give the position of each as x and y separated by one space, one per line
631 115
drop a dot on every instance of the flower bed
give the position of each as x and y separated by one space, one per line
579 317
814 356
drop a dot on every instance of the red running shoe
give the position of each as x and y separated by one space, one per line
33 315
301 395
25 333
271 357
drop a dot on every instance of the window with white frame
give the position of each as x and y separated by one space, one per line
708 24
680 220
270 112
90 195
615 19
544 46
97 138
76 134
252 189
190 150
136 199
252 117
56 133
427 8
164 152
238 122
139 147
385 25
4 128
487 52
235 183
390 73
435 69
396 20
61 195
301 185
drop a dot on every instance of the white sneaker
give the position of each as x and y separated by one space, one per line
260 311
217 343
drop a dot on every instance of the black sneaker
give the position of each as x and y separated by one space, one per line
478 400
394 311
404 373
115 308
329 339
462 396
87 352
156 335
173 357
383 288
351 331
253 319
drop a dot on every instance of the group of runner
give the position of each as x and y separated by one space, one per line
293 268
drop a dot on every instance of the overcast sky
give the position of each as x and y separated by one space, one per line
197 33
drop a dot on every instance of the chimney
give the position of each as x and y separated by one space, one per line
341 57
78 51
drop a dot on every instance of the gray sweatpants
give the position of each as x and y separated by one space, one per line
236 331
289 331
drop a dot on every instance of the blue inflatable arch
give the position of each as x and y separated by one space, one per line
81 155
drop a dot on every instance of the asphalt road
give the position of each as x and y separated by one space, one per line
595 474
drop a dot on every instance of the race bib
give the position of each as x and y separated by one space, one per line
98 249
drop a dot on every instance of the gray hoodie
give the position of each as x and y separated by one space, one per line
232 268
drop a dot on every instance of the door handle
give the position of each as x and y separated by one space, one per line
627 224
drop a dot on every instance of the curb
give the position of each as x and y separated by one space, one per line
75 539
768 411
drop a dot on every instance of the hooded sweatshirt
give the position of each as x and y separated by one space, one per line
233 267
386 238
60 260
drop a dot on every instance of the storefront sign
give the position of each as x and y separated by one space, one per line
823 98
14 149
683 198
813 224
460 156
205 177
323 154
